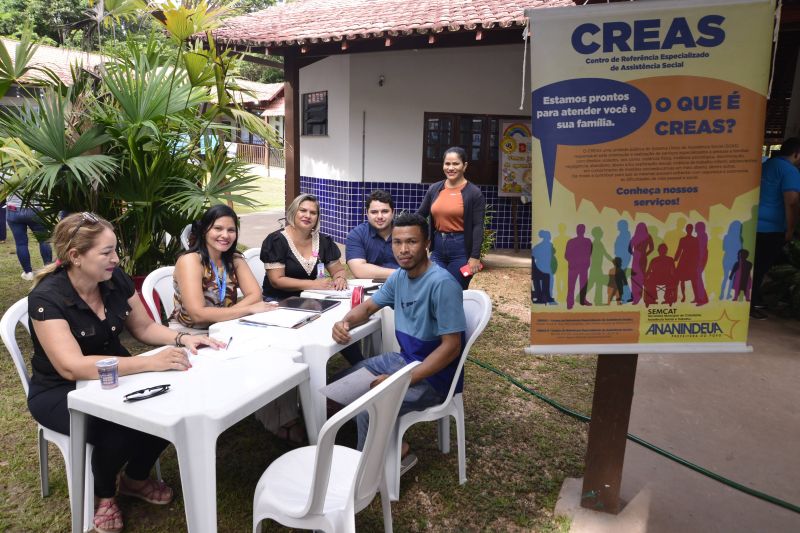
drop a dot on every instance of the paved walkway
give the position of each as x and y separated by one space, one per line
736 415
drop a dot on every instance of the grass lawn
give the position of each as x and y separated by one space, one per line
270 193
518 449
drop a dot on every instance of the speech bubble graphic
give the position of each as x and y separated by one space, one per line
584 111
685 158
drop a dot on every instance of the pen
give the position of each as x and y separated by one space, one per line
229 344
307 320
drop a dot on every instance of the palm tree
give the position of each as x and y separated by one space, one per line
141 144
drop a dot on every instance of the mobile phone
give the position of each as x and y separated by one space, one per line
467 272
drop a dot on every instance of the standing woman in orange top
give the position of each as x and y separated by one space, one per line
456 208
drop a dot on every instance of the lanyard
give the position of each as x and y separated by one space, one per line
222 282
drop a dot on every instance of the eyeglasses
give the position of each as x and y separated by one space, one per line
86 217
143 394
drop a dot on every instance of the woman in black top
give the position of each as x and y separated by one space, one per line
456 209
77 309
294 255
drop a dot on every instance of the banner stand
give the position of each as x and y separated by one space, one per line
608 432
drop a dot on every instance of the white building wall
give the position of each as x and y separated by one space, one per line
327 156
472 80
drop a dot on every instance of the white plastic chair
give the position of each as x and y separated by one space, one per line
478 311
323 487
18 314
253 258
160 281
187 230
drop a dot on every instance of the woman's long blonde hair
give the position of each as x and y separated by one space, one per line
77 231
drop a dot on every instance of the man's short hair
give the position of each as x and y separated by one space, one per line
411 219
379 195
790 146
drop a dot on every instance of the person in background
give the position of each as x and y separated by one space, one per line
369 245
78 308
297 257
3 232
456 209
19 220
778 214
207 276
429 322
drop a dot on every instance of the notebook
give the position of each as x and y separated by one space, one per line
283 318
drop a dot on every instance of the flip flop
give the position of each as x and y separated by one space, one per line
407 463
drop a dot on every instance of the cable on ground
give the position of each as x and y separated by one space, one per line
641 442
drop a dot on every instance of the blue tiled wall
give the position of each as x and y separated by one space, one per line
342 206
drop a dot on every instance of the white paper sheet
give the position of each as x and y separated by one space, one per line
345 390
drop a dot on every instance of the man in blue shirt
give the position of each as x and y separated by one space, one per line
369 245
429 323
778 208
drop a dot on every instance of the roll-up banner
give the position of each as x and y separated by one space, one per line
647 131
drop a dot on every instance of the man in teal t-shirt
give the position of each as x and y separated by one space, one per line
429 323
778 209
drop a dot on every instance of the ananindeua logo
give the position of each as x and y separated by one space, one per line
721 327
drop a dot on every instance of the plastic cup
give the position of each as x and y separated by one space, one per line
109 372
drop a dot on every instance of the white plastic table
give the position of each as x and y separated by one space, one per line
219 390
313 340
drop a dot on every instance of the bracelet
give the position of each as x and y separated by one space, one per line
178 338
343 275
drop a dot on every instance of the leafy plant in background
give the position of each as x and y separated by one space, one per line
488 234
141 143
782 290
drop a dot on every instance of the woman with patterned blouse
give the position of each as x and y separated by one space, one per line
207 277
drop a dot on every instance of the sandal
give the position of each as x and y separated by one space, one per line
151 490
107 513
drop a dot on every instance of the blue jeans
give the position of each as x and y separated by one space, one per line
450 254
19 221
418 397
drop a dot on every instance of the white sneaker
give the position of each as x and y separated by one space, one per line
27 276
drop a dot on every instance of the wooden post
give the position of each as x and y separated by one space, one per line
291 93
608 430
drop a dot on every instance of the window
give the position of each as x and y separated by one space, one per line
315 113
477 134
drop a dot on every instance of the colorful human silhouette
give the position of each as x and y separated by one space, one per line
621 250
579 256
673 236
597 274
617 281
714 273
560 244
699 287
640 247
661 274
542 255
731 244
653 231
741 275
686 260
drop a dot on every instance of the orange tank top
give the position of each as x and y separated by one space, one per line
448 210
